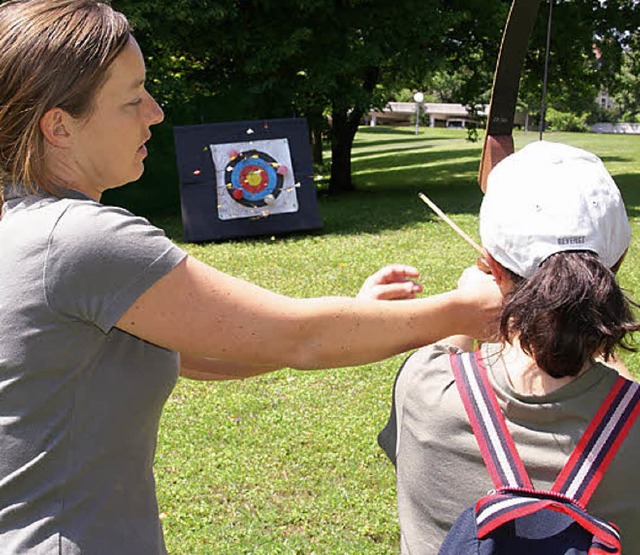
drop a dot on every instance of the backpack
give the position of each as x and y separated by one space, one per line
515 518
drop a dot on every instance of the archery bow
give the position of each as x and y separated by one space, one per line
498 141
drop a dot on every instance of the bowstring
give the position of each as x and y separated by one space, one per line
543 108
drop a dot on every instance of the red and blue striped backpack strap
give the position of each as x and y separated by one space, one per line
600 442
580 476
496 444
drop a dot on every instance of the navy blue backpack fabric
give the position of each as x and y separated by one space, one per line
544 532
517 519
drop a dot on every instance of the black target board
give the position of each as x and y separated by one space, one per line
247 178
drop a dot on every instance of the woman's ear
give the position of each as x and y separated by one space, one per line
55 126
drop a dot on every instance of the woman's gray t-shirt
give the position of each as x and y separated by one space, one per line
80 400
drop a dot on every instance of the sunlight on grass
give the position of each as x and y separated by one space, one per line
288 463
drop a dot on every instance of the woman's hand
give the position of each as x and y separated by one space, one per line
393 282
476 276
480 284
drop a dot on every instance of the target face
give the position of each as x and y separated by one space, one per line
252 178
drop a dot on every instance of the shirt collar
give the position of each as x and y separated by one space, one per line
17 190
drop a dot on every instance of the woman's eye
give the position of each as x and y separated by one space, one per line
136 102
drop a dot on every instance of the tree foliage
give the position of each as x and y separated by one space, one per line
332 60
588 38
625 87
243 59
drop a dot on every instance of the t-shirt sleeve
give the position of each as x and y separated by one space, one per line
416 367
100 259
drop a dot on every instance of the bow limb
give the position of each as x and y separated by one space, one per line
498 139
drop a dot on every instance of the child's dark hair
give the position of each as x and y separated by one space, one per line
570 310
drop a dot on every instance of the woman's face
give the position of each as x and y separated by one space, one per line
108 147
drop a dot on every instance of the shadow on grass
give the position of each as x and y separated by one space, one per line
388 181
427 155
410 142
373 210
629 184
610 159
391 208
359 155
399 162
385 130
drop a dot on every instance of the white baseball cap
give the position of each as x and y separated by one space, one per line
548 198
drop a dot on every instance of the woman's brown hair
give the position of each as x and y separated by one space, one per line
53 54
570 310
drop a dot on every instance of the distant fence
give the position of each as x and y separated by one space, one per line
629 128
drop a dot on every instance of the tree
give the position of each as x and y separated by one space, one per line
243 59
625 88
588 40
359 43
332 60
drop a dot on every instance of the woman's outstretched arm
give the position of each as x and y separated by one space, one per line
199 311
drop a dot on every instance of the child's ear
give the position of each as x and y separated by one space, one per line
497 270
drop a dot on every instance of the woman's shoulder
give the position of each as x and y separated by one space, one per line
85 224
73 213
85 212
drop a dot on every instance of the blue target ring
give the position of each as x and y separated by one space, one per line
252 178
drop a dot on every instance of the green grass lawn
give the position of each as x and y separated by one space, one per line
288 463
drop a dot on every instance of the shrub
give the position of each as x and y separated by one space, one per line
566 121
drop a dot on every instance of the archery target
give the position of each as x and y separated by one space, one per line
251 177
254 179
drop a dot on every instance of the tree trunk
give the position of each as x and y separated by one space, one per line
316 144
343 130
345 122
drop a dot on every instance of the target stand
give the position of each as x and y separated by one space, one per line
246 178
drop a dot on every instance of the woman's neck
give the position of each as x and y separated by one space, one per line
524 375
63 172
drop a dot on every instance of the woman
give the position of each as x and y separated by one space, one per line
98 309
555 229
